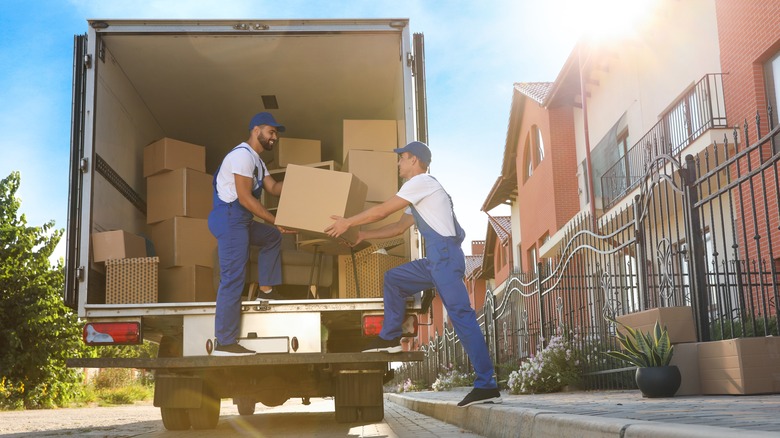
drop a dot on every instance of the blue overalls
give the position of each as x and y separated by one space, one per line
443 268
235 230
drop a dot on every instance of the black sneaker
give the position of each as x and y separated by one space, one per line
480 395
271 295
379 344
232 350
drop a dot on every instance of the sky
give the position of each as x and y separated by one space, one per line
475 51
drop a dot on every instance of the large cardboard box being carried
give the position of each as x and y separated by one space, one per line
740 366
117 244
187 284
180 192
311 196
678 321
297 151
378 169
374 135
184 241
169 154
131 280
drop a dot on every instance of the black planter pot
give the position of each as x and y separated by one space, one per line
658 381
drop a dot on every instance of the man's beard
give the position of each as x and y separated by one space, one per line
266 143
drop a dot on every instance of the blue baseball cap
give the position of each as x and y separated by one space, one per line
265 119
418 149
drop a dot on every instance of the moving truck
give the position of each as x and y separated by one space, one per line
156 106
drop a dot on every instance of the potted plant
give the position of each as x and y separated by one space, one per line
650 353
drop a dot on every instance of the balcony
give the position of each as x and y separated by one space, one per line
700 109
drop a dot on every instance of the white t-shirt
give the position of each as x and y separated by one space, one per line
431 202
243 162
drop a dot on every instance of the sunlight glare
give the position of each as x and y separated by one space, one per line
605 19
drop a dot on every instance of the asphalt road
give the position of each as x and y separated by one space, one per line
292 419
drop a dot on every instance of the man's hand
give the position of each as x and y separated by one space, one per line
286 230
339 227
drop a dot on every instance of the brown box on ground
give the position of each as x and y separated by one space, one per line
311 196
169 154
740 366
183 241
686 358
678 321
131 280
187 284
375 135
369 267
180 192
378 169
297 151
117 244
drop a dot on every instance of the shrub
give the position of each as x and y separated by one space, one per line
451 378
556 366
409 386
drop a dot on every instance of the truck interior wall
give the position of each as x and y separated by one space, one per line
123 127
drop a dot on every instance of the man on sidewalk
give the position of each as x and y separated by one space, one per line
429 206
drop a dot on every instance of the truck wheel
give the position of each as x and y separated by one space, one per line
246 406
207 415
175 418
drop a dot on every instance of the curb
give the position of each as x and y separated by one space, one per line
504 421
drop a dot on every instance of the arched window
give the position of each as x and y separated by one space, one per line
528 161
536 135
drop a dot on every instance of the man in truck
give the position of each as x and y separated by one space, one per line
238 182
427 204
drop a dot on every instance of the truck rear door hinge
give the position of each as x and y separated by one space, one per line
80 273
84 165
410 60
87 61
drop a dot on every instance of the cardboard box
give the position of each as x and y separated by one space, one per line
740 366
369 267
311 196
373 135
131 280
297 151
686 358
169 154
183 241
378 169
187 284
180 192
271 202
678 321
117 244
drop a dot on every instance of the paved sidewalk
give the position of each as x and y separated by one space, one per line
619 414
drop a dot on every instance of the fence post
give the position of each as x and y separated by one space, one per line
542 321
696 257
641 252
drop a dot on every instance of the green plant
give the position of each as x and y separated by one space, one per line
652 349
556 366
450 378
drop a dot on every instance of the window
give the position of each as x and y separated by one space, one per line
772 80
536 134
623 147
532 260
528 160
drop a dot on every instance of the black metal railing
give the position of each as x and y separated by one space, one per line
698 110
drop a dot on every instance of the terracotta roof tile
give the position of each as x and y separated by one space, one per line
535 90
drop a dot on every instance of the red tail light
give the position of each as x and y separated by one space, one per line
372 325
112 333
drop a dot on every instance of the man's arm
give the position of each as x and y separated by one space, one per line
373 214
245 198
272 186
389 230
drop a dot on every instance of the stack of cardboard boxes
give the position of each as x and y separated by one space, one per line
179 200
131 276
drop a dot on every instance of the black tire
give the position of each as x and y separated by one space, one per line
175 418
246 406
207 415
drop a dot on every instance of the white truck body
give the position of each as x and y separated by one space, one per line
136 81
